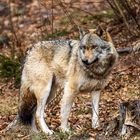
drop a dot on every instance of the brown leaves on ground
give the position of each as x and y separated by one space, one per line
29 27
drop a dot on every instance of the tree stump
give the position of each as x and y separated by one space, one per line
129 117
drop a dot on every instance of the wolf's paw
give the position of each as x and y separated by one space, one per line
48 132
65 129
96 125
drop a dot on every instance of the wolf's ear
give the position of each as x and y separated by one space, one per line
108 37
104 34
81 32
99 31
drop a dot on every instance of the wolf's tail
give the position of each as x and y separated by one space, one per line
27 107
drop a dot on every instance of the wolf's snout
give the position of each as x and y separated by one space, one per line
86 62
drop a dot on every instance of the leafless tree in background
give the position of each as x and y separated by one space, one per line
127 11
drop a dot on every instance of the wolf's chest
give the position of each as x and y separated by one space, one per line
89 86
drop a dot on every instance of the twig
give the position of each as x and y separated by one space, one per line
12 26
122 14
114 9
12 124
132 124
129 9
123 70
52 18
68 15
41 4
82 10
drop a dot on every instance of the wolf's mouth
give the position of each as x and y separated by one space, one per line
86 62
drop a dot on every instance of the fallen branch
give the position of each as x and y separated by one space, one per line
12 125
125 50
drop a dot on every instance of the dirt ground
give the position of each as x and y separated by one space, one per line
124 83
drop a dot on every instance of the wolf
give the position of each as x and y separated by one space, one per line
79 66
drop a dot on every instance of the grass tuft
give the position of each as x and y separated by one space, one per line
10 69
57 34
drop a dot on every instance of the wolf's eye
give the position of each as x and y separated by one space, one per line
103 47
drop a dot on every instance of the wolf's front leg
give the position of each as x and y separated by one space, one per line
41 102
95 109
66 105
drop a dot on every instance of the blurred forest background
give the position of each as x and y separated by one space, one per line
25 22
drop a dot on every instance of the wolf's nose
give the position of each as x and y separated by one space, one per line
85 62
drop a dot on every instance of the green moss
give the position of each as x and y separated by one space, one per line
10 69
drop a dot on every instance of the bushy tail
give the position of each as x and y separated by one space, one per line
27 107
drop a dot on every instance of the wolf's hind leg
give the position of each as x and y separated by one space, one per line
34 127
41 102
66 105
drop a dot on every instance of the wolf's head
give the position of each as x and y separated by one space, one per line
95 51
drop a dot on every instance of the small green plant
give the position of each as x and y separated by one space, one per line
19 11
37 138
63 136
10 69
105 14
57 34
100 16
64 21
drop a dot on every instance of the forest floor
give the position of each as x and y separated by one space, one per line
32 23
